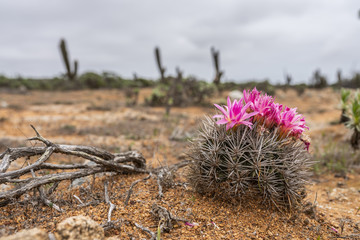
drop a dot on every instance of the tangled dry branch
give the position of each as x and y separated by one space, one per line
26 180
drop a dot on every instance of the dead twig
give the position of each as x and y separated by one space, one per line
111 224
77 198
132 186
107 200
148 231
165 176
158 180
164 217
43 197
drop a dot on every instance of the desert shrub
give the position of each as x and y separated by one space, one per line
158 96
300 88
334 157
4 82
67 129
353 82
256 148
264 86
181 92
91 80
112 80
132 96
142 82
318 80
197 92
87 80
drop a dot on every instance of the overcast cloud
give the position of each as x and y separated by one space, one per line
257 39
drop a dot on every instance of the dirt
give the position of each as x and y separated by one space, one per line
101 118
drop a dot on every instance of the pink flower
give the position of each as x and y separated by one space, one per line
250 97
261 108
272 117
307 144
262 104
189 224
291 123
234 114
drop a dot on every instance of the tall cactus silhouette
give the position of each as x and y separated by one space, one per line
215 55
158 61
70 74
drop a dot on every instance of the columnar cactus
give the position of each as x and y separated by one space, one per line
218 74
70 74
161 68
256 147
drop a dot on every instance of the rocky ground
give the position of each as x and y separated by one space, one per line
101 118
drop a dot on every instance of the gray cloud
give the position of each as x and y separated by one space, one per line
257 39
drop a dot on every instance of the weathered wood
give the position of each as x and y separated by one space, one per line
128 162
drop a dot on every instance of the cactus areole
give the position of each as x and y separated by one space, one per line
254 147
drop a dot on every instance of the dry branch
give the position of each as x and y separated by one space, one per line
152 234
164 217
131 188
127 162
43 196
107 200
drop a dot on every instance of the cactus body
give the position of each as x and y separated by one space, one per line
218 74
244 162
70 74
158 61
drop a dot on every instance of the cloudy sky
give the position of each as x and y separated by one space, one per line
257 39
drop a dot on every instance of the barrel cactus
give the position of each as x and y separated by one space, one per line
253 148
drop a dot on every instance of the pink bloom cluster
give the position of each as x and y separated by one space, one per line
255 106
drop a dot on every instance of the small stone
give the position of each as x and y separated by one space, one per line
236 94
78 182
306 222
31 234
79 228
4 104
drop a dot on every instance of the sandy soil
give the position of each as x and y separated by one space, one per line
101 118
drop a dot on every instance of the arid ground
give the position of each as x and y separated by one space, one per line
101 118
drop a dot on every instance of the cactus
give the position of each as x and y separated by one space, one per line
70 74
345 95
288 78
161 68
218 74
339 78
353 114
250 158
318 80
